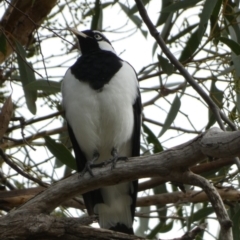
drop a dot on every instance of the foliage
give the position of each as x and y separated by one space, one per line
205 38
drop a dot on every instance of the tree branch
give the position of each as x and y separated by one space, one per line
171 165
39 227
188 197
201 168
216 111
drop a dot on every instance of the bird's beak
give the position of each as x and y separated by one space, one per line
77 33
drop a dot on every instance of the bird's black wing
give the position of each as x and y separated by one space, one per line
137 110
93 197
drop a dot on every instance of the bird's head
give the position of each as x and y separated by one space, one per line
92 40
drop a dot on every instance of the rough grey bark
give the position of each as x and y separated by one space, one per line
172 165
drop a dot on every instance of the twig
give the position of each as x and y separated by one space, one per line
19 142
216 111
171 127
28 122
22 125
202 168
217 203
6 183
18 170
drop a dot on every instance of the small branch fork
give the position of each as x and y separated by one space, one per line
219 115
18 170
216 111
191 178
215 199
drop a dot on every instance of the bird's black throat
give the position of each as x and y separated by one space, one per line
96 68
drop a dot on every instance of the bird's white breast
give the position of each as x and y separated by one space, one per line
102 119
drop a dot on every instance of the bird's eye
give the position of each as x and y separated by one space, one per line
98 37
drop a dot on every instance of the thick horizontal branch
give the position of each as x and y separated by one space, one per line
164 164
189 196
47 227
171 165
15 198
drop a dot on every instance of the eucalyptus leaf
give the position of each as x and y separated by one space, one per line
151 138
26 76
191 46
134 18
180 5
171 115
3 44
217 97
61 153
44 85
207 11
182 33
202 214
159 228
163 15
234 214
166 66
234 46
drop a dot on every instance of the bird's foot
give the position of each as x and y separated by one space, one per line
90 164
115 158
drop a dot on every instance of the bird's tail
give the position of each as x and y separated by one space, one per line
115 212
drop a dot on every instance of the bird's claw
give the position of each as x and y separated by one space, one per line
116 158
89 165
87 168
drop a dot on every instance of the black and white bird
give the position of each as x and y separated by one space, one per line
102 106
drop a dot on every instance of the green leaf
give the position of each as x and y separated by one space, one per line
181 5
231 15
134 18
164 15
26 76
182 33
234 46
171 115
154 48
134 9
61 153
207 11
215 28
166 66
217 97
44 85
191 46
160 228
167 27
236 76
91 11
202 214
3 44
236 64
234 214
97 16
217 9
151 138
